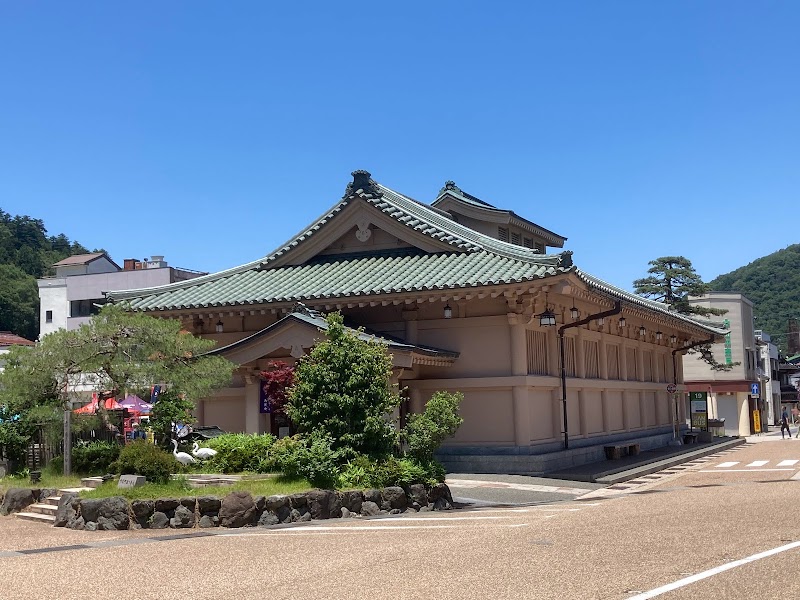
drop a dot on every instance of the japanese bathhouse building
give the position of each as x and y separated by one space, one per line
461 293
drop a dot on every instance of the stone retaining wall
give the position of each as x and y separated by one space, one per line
241 509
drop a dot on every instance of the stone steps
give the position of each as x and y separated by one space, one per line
45 511
35 516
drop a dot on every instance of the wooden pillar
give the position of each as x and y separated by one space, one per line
602 357
416 401
606 411
623 362
583 427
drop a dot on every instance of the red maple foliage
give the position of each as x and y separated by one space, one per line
278 378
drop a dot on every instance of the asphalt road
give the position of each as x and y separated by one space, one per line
700 529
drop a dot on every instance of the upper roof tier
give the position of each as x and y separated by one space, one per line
374 242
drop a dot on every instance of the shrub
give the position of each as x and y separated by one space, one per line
240 452
426 431
94 458
342 389
143 458
311 457
362 472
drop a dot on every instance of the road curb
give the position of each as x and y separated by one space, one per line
616 476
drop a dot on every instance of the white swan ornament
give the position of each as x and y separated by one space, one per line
202 453
181 457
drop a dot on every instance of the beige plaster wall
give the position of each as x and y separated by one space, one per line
226 412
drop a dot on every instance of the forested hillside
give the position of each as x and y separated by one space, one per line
26 252
773 284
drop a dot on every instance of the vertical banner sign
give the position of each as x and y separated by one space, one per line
698 402
757 420
726 324
264 405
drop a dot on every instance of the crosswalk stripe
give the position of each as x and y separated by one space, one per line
727 465
787 463
758 463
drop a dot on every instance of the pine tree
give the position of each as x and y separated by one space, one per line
673 280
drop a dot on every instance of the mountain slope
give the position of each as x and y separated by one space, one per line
773 284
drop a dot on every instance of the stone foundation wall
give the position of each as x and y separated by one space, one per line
241 509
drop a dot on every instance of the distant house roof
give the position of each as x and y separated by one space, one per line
10 339
83 259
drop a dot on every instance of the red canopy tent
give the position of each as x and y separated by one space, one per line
91 408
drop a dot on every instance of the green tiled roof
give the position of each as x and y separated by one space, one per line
341 277
472 260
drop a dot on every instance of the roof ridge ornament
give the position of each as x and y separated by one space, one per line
450 185
565 259
301 308
362 184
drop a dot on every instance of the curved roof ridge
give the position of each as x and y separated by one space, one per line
622 294
475 238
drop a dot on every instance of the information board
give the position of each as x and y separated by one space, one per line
698 403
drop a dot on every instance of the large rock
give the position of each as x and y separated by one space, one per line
16 499
237 510
67 510
166 505
324 504
184 517
159 520
418 494
353 500
396 497
370 509
108 513
142 511
298 501
373 495
208 504
207 521
268 518
274 503
440 492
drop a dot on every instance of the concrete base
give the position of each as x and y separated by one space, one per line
527 461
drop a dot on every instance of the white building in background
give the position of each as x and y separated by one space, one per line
71 297
770 379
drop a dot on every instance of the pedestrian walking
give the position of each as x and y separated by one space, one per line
785 424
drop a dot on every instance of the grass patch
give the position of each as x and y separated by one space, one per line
49 481
178 488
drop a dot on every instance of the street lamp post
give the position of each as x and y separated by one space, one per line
601 315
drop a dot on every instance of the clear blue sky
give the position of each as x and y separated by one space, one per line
210 132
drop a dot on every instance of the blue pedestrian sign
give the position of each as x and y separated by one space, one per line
754 391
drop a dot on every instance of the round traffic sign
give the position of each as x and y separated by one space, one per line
672 388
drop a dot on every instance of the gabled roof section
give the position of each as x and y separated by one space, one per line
451 195
468 259
301 314
11 339
83 259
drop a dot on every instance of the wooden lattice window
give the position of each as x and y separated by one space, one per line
502 233
569 356
527 242
647 365
612 359
516 238
537 353
630 360
590 359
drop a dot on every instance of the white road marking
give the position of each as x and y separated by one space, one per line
746 470
711 572
758 463
472 518
527 487
727 465
787 463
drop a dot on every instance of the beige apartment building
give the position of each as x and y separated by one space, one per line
466 298
729 393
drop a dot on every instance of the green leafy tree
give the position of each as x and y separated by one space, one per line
19 302
440 420
115 351
172 407
342 390
673 280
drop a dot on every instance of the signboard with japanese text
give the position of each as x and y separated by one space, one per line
698 408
